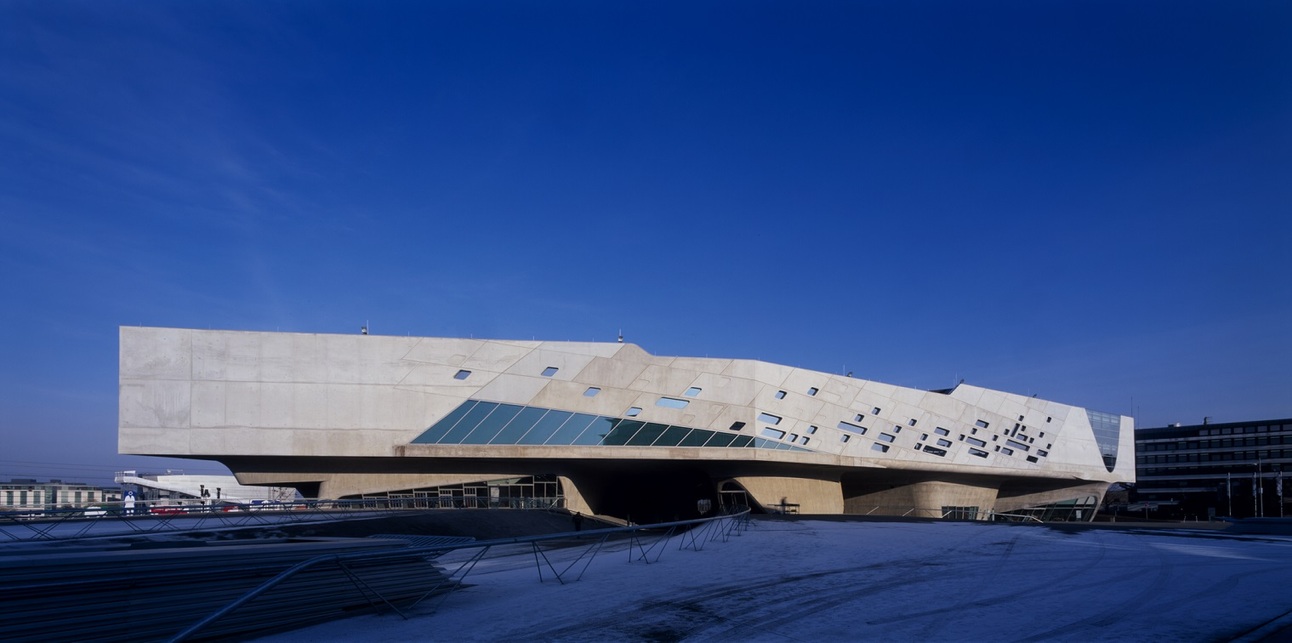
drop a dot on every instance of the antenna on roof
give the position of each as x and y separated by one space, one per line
363 330
621 335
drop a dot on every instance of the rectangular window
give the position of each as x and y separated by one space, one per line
811 430
882 448
848 426
736 426
1042 453
572 429
978 452
692 392
768 418
673 436
794 437
672 402
780 395
858 417
1017 445
976 442
775 434
550 371
647 435
941 431
804 440
874 411
845 437
944 443
980 424
591 392
462 374
544 428
1031 458
633 411
518 427
813 390
935 451
884 437
911 422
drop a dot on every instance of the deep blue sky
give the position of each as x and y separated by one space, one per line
1087 201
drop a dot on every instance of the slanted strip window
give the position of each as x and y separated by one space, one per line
849 426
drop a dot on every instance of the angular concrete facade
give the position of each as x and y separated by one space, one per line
626 431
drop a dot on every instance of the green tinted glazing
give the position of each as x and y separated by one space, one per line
523 422
672 437
720 440
696 438
469 422
622 432
546 427
571 429
647 435
437 430
475 422
491 425
597 431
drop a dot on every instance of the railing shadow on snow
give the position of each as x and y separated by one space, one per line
646 544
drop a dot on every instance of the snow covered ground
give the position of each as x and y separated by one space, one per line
893 581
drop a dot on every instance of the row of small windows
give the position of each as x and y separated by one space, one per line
1225 456
1234 430
548 371
1223 443
849 427
777 434
694 391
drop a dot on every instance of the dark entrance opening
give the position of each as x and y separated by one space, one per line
649 497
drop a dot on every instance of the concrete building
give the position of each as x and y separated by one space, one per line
1231 469
174 488
622 432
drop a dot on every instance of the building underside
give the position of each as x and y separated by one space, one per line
623 433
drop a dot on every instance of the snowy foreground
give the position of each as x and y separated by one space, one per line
843 581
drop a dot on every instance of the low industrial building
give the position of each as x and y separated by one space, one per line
1212 470
604 428
30 495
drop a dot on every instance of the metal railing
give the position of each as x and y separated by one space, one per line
118 519
646 544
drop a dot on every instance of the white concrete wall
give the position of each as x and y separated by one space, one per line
224 393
